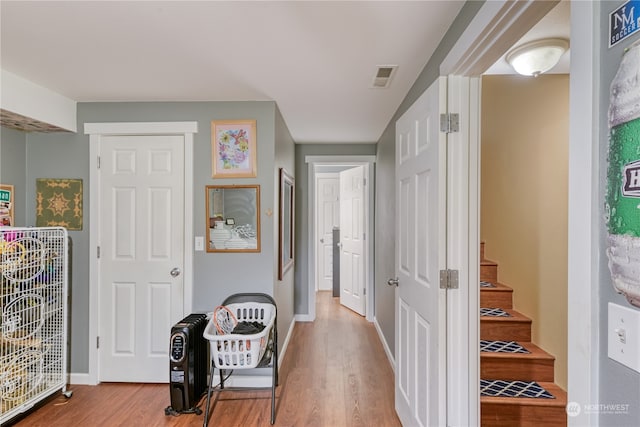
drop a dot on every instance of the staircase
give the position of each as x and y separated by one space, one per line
511 366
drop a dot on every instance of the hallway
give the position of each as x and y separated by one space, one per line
335 373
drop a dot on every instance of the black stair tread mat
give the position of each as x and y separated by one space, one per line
493 312
488 346
501 388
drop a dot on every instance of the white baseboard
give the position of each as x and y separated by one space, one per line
304 318
233 381
285 344
392 361
80 379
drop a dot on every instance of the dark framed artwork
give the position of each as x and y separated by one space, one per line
286 223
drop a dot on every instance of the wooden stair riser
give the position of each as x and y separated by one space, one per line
522 415
517 367
488 271
506 329
525 412
491 297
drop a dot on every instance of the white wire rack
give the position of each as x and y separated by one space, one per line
33 322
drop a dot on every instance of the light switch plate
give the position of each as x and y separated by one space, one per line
199 246
624 336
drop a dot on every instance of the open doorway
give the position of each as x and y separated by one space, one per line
524 209
347 257
340 236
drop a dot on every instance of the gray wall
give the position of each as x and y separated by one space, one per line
216 275
13 155
618 384
385 177
283 289
303 206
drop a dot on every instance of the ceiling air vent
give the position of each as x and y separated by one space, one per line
383 76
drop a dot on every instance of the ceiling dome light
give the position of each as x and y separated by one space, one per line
537 57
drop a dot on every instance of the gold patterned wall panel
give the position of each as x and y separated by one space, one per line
59 203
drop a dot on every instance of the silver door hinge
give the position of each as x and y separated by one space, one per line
449 122
97 342
98 162
448 279
364 291
98 252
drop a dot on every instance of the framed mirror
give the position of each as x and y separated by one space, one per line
233 218
286 224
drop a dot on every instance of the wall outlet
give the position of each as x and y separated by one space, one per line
624 336
199 243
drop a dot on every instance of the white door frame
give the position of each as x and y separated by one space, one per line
495 28
313 161
96 131
584 212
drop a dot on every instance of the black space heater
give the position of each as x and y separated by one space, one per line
188 363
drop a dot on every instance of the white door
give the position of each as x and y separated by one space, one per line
328 209
141 254
352 247
420 254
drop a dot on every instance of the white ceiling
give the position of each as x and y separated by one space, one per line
315 59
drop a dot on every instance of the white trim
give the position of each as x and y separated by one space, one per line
311 262
94 269
141 128
28 99
96 131
188 247
80 379
583 333
368 162
339 159
306 317
283 348
459 316
473 368
383 340
494 29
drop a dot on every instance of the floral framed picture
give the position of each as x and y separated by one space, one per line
233 148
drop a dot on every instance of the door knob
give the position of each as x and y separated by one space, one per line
175 272
393 282
339 244
321 240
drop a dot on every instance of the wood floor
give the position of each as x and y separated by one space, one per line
335 373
